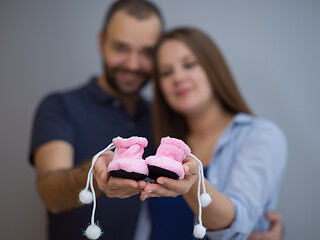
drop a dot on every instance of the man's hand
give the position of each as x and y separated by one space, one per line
275 231
111 186
167 187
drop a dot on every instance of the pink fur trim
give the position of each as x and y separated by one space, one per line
166 163
174 148
122 142
128 155
178 143
129 165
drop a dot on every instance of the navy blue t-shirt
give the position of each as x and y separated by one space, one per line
172 218
89 119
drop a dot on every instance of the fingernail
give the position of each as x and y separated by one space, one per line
150 191
186 168
160 182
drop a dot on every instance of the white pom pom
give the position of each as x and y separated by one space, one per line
93 232
199 231
205 200
85 196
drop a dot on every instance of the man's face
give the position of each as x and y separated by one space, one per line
127 51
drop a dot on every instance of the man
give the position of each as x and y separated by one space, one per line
70 127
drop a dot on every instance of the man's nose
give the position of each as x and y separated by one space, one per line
132 62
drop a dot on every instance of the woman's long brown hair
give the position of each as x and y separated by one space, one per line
167 122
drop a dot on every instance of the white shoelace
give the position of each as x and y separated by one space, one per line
204 200
86 197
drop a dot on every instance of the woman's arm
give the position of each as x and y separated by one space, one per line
252 178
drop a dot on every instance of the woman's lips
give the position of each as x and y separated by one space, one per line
182 92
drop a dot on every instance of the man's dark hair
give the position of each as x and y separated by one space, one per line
139 9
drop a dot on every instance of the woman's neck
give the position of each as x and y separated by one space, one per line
208 122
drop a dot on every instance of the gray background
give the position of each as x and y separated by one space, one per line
273 50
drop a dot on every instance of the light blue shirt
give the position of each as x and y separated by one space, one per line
247 166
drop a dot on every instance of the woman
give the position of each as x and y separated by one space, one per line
196 100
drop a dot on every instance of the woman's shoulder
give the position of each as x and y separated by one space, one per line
254 126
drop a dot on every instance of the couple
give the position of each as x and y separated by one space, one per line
195 99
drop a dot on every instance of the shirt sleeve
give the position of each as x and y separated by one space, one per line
257 172
51 122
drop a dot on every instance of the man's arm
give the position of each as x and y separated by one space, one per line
275 231
58 180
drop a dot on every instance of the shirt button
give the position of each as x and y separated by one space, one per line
131 125
116 103
214 181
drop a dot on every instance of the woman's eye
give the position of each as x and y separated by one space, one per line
165 73
190 64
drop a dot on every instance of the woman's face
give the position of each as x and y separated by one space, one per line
183 81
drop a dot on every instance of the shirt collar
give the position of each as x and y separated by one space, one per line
238 119
242 118
97 92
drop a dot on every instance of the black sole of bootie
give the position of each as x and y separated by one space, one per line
155 172
127 175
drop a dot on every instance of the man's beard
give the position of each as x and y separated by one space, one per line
111 79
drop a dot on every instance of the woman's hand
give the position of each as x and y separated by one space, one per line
167 187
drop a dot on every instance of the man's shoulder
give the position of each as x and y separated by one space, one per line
64 96
146 102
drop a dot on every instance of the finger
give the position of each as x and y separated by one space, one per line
102 163
145 194
186 168
274 231
105 158
258 236
190 165
115 183
100 171
101 179
157 191
150 187
275 219
182 186
273 216
104 176
179 186
141 184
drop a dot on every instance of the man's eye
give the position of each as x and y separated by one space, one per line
146 52
121 49
190 64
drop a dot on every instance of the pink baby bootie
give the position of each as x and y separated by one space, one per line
168 160
127 161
